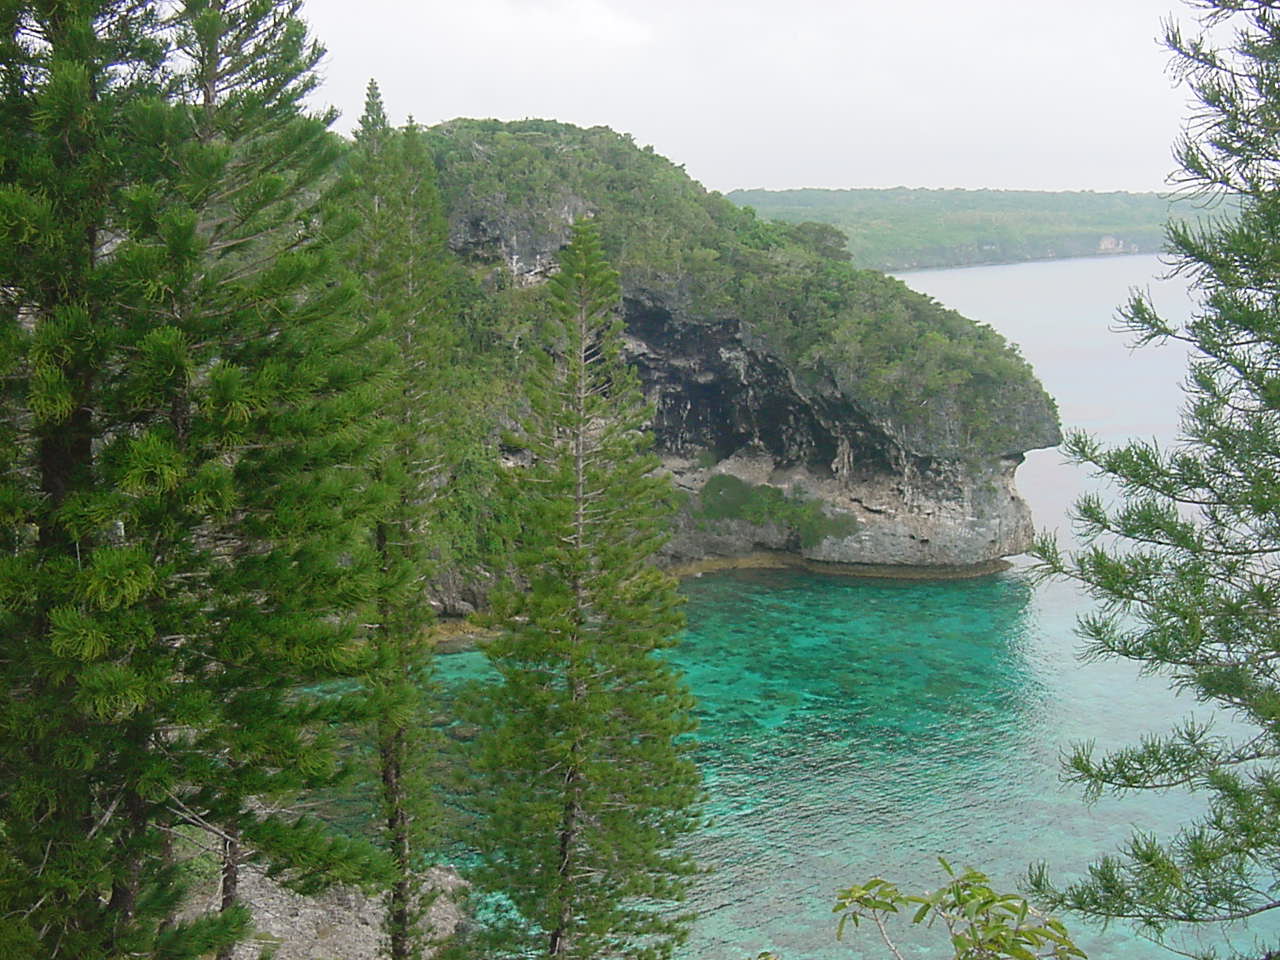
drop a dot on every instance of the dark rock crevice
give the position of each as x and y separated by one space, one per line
724 404
715 395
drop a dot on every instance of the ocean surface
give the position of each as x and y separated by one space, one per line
1063 316
859 727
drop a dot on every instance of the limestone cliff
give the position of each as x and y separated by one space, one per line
725 406
847 418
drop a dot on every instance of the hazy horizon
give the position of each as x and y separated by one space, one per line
906 186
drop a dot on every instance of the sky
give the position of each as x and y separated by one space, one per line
1011 94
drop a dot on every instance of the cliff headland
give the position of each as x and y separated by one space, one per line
802 405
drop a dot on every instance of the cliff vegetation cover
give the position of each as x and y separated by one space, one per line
950 386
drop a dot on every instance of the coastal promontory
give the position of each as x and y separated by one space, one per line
802 405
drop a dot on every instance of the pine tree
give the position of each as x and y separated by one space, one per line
292 399
83 668
1185 564
398 253
583 765
187 398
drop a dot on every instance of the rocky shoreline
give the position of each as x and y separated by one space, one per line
942 523
778 560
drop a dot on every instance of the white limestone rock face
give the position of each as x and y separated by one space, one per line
968 518
976 520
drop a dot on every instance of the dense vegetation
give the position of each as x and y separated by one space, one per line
907 229
946 384
190 417
726 497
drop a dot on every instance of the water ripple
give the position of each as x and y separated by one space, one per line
856 727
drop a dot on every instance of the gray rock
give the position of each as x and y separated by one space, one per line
340 924
717 393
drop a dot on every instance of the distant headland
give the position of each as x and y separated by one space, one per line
912 229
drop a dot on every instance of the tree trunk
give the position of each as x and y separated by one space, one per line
559 941
230 881
124 889
399 904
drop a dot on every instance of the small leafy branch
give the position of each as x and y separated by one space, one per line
982 924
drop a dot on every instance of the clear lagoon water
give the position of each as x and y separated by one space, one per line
858 727
855 727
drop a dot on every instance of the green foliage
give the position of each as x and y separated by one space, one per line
980 923
583 780
908 229
707 459
952 387
1183 562
186 405
397 252
726 497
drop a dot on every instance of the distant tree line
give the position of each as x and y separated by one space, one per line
911 228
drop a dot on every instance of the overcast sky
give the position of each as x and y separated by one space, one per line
1027 94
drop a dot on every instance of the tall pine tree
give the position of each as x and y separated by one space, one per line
584 776
77 665
291 403
186 406
397 251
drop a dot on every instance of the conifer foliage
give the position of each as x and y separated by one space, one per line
397 251
585 780
1186 565
186 398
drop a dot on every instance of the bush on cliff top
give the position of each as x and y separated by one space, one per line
726 497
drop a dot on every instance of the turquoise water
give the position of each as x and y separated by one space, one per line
854 727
